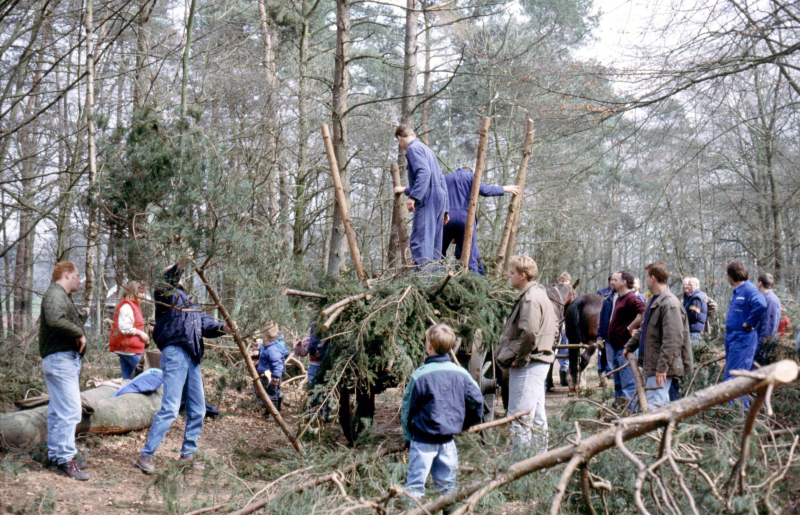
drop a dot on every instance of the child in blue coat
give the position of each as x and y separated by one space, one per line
272 364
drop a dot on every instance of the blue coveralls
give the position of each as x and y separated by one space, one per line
272 357
459 188
768 328
427 187
747 306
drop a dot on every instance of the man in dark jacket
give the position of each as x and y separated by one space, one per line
427 198
459 189
61 345
694 302
440 400
663 343
179 331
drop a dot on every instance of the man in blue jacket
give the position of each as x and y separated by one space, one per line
179 331
744 315
768 328
694 303
427 198
459 189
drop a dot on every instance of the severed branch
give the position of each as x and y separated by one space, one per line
326 325
633 361
498 422
299 293
736 481
251 368
446 280
342 303
632 427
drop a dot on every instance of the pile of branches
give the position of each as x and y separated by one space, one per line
378 338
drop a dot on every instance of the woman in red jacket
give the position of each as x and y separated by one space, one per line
128 337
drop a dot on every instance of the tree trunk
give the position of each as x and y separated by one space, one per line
426 77
141 81
398 239
92 229
341 86
187 48
299 228
410 65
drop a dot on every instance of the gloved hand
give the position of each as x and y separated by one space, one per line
268 375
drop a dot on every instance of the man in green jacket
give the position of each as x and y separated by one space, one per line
664 348
61 345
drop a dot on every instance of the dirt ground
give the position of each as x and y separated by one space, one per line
234 444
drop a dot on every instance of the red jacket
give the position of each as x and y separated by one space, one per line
785 327
127 342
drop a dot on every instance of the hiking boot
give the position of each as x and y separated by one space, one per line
563 374
196 464
145 463
71 469
80 461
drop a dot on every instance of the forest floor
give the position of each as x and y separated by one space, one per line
239 447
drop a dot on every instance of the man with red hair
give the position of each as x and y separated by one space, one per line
61 345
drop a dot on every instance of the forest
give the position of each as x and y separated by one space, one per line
137 133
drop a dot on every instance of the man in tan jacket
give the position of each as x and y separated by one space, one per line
664 348
526 349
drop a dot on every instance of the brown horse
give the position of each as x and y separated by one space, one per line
561 295
582 321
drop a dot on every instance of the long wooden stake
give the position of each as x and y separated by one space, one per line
343 207
399 232
472 210
248 361
516 201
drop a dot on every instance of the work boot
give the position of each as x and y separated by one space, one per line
80 461
145 463
71 469
196 464
563 374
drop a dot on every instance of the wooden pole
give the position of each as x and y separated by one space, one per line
342 202
399 238
300 293
639 380
472 210
248 361
504 250
333 307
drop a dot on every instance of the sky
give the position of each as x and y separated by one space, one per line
622 25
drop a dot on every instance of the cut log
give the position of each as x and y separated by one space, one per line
333 307
776 374
344 208
472 209
504 249
117 415
326 325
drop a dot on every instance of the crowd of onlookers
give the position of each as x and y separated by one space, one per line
441 399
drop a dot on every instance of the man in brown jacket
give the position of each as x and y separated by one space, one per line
526 349
664 348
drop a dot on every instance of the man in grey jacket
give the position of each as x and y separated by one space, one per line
61 345
664 347
526 349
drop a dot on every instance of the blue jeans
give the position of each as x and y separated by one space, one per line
440 459
696 339
660 397
624 384
526 392
128 364
563 354
179 370
62 372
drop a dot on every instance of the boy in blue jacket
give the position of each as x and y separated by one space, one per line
440 401
271 365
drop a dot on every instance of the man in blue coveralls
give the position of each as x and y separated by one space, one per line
459 189
768 328
427 198
744 314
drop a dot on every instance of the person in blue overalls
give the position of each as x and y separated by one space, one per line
427 198
768 328
745 311
459 189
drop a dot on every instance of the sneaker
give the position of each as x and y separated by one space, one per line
145 463
80 461
71 469
196 464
